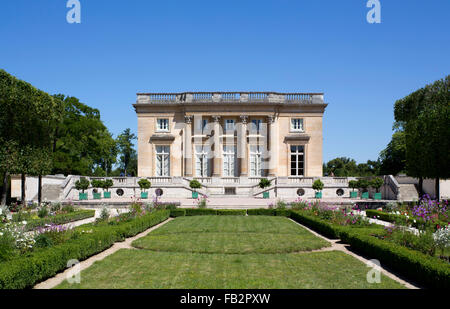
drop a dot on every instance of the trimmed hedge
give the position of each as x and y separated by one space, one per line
200 212
261 212
426 270
60 219
231 212
283 212
321 226
179 212
26 271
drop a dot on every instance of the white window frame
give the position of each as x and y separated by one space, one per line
299 171
255 161
160 127
162 160
229 158
297 127
202 166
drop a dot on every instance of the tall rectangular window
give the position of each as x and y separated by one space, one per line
229 125
229 161
201 162
297 125
162 160
162 124
255 161
256 126
297 160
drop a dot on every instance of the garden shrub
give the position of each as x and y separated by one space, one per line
317 224
26 271
200 211
426 270
261 212
177 213
231 212
283 212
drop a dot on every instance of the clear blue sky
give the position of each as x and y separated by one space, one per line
124 47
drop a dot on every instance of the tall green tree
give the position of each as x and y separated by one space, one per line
424 115
82 144
28 117
393 157
127 153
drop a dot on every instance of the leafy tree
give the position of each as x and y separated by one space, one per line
344 167
28 118
424 115
82 144
318 185
144 184
393 157
128 156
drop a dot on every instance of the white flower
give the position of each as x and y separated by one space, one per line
1 233
24 222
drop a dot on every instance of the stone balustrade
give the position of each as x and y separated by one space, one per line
230 97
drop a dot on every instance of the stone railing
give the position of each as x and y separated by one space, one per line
230 97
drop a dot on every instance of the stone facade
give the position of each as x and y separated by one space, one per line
254 129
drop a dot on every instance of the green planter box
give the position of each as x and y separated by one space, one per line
144 195
194 194
319 194
82 196
97 196
353 194
107 194
266 194
365 195
377 196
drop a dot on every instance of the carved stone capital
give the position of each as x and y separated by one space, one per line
216 118
188 119
244 119
271 119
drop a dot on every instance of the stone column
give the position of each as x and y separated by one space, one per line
188 146
242 147
273 146
217 163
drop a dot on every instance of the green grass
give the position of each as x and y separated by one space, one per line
227 234
242 253
139 269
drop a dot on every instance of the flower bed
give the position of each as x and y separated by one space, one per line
405 219
27 270
60 219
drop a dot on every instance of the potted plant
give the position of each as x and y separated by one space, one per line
376 183
82 185
195 184
264 183
107 183
354 185
97 183
318 187
144 184
363 184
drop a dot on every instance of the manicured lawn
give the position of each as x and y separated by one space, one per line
228 234
194 252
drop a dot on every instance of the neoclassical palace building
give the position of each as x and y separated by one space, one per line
227 138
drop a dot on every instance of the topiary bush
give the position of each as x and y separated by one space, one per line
264 183
376 183
195 184
318 185
144 184
82 184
